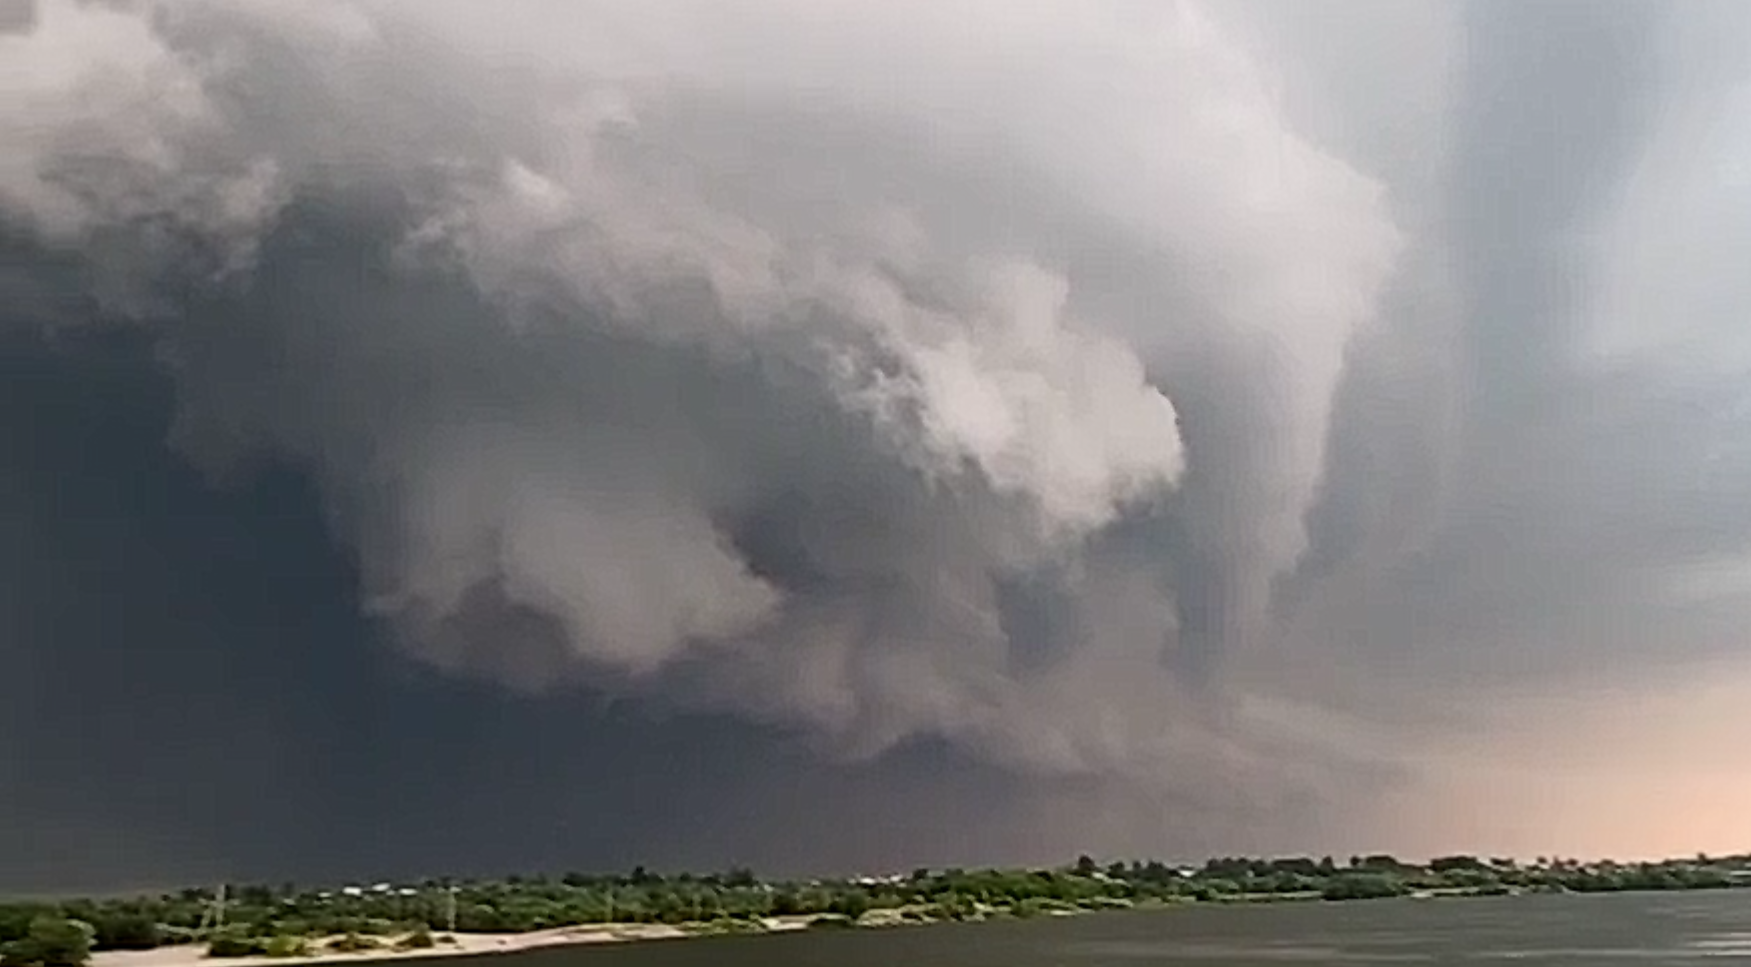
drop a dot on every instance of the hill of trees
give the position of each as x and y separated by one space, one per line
289 921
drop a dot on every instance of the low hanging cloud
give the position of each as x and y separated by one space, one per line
1267 422
708 355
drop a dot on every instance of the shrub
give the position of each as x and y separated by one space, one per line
1363 886
235 943
50 942
286 946
127 932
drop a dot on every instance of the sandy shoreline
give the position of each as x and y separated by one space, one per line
466 944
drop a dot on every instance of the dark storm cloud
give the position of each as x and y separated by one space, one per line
191 694
601 408
592 323
135 597
705 411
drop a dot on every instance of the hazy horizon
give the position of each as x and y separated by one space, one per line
816 436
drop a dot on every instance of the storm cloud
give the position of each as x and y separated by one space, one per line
1180 422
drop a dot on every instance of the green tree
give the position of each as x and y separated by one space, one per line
851 903
51 941
234 941
1363 886
126 931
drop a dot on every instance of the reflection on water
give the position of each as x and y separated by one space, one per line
1543 931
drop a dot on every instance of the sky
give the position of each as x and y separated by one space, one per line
821 436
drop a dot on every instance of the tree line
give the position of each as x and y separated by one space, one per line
287 920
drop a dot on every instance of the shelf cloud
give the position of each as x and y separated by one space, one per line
1207 404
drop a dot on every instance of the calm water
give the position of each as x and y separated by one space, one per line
1645 929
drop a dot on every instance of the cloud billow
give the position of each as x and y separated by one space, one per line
1147 392
683 379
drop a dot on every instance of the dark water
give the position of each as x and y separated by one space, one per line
1651 930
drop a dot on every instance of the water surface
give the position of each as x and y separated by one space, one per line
1650 930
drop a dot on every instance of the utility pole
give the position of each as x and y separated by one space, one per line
214 915
451 918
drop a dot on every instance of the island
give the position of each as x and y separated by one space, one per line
254 923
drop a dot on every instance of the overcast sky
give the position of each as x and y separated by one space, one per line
445 437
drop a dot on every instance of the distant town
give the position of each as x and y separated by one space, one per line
437 916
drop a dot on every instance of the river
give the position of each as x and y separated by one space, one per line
1648 929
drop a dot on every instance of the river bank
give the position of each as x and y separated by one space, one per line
951 896
450 945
